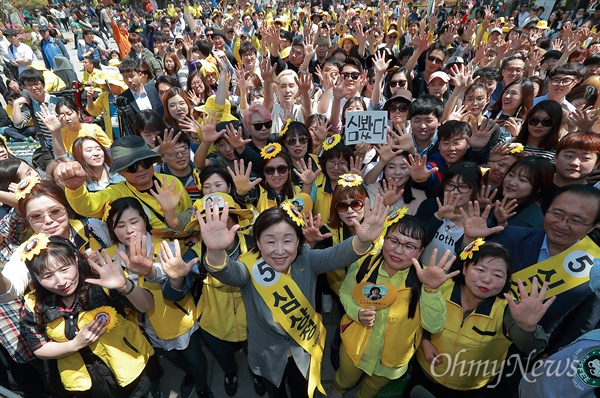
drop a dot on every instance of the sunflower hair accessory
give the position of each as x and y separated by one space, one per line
350 180
285 127
270 151
516 147
395 217
105 313
341 28
294 214
25 186
106 211
331 142
474 246
34 246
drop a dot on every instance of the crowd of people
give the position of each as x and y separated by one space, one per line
197 186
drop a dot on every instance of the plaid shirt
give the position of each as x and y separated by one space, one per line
12 332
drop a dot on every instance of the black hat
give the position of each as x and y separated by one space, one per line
10 32
218 32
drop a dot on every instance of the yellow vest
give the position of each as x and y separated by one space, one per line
124 350
466 343
337 276
322 205
402 334
221 307
84 238
266 202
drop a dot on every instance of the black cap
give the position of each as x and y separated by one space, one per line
10 32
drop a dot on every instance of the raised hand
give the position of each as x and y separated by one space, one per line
388 151
380 64
140 262
417 166
531 307
71 174
448 208
513 126
241 177
236 138
214 231
167 144
304 82
305 172
480 138
499 152
390 193
165 194
486 195
50 119
505 209
458 113
110 272
372 223
208 129
172 263
312 229
435 275
475 223
356 166
267 71
194 98
190 126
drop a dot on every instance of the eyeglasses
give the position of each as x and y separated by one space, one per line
435 60
145 72
332 163
558 215
534 121
397 83
351 75
281 170
303 139
355 205
146 164
515 70
394 243
179 42
565 81
450 187
39 217
180 151
398 107
259 126
32 85
392 37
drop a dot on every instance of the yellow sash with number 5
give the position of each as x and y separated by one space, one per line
563 272
293 312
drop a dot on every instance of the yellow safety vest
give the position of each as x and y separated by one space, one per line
472 348
402 334
124 350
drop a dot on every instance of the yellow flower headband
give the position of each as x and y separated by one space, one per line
270 151
285 127
389 221
516 148
350 180
471 247
291 210
331 142
25 186
34 246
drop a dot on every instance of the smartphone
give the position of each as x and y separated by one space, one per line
502 118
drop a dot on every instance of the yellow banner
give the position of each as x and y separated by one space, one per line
563 272
293 312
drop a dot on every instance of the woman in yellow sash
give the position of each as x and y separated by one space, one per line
381 334
277 279
482 322
69 317
170 326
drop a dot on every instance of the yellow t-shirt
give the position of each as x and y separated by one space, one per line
87 130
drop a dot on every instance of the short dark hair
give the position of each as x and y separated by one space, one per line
351 61
117 207
426 105
31 75
487 73
183 137
453 128
247 47
204 47
565 69
172 80
159 35
585 191
130 65
273 216
593 59
87 32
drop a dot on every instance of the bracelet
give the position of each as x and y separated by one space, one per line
429 290
130 290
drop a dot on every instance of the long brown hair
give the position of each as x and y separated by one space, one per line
172 57
526 98
78 156
49 189
342 193
173 92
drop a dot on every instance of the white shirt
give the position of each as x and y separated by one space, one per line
570 107
4 43
142 100
21 52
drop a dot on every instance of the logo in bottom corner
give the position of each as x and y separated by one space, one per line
588 369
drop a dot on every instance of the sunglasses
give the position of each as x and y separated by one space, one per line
146 164
351 75
259 126
303 139
398 107
398 83
281 170
355 205
435 60
145 72
534 121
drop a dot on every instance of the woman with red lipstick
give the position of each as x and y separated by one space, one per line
482 321
96 161
541 129
524 184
